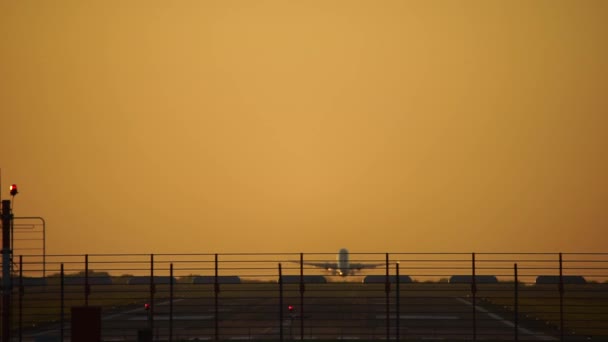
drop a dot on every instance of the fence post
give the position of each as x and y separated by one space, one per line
21 294
397 303
516 304
171 302
280 303
216 293
302 289
62 310
561 299
474 296
86 280
387 290
152 291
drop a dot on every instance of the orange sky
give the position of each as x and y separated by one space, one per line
277 126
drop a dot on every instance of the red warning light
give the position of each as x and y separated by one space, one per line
290 308
13 190
147 306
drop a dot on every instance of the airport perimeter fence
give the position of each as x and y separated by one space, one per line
407 296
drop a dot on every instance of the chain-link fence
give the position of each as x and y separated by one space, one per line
402 296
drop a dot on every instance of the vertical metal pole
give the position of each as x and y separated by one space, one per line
6 270
87 288
561 299
2 218
516 304
397 303
21 293
387 290
302 289
171 303
474 297
280 303
43 248
152 291
216 293
62 304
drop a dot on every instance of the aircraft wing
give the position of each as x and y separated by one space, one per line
334 266
325 265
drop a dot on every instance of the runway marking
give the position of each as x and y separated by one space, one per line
175 317
174 301
240 338
122 313
419 317
139 309
306 338
510 324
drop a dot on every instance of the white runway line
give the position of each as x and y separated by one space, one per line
419 317
138 309
122 313
306 337
510 324
175 317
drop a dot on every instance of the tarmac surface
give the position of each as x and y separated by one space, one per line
327 313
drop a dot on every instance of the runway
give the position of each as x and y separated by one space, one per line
329 311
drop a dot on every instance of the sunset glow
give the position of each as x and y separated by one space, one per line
279 126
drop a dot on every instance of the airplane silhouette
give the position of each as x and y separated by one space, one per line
343 267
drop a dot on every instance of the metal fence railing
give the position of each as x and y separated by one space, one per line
279 296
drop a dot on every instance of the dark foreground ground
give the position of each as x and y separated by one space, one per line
331 311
